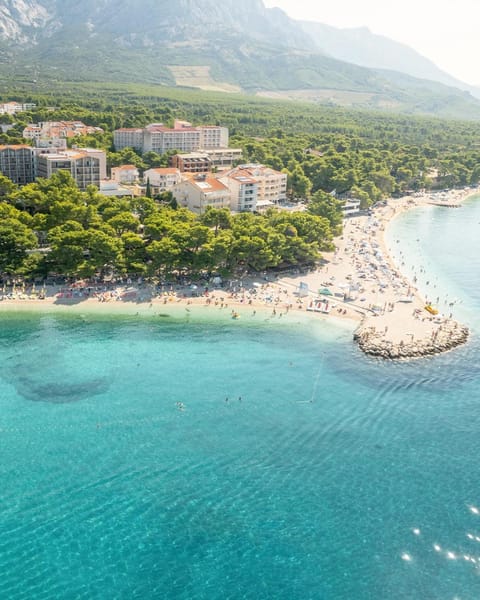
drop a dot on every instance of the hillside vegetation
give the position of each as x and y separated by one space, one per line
233 47
362 154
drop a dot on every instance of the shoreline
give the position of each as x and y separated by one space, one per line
367 292
419 333
218 307
394 322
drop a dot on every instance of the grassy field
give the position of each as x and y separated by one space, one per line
343 98
201 78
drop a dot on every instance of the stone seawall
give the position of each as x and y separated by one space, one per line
451 335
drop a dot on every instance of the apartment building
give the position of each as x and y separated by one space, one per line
18 163
24 164
162 179
32 132
99 155
195 162
128 174
272 184
220 159
223 158
86 165
199 191
243 191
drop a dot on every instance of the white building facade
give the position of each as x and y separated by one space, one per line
182 137
271 184
86 165
128 174
162 179
128 138
243 192
198 193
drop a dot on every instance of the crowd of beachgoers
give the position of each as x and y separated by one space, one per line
359 281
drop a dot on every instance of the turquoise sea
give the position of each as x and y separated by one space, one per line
126 473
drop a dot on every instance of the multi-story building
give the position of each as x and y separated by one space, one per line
183 137
86 165
220 159
194 162
128 137
223 159
23 164
213 136
32 132
99 155
272 185
161 139
243 191
125 174
17 163
199 191
162 179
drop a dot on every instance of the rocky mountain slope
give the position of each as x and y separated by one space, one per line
362 47
228 46
20 20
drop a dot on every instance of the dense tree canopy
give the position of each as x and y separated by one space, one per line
328 154
367 155
51 227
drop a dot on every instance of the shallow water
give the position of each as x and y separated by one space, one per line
308 482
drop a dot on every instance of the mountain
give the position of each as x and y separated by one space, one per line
362 47
20 18
227 46
140 23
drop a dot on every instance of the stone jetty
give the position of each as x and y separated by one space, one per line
450 335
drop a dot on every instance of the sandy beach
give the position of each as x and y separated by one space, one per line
393 315
360 282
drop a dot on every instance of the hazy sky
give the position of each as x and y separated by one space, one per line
445 31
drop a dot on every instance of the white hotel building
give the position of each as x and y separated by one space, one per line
183 137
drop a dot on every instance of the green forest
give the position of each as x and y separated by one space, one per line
52 227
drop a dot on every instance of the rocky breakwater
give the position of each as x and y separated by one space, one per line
446 336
